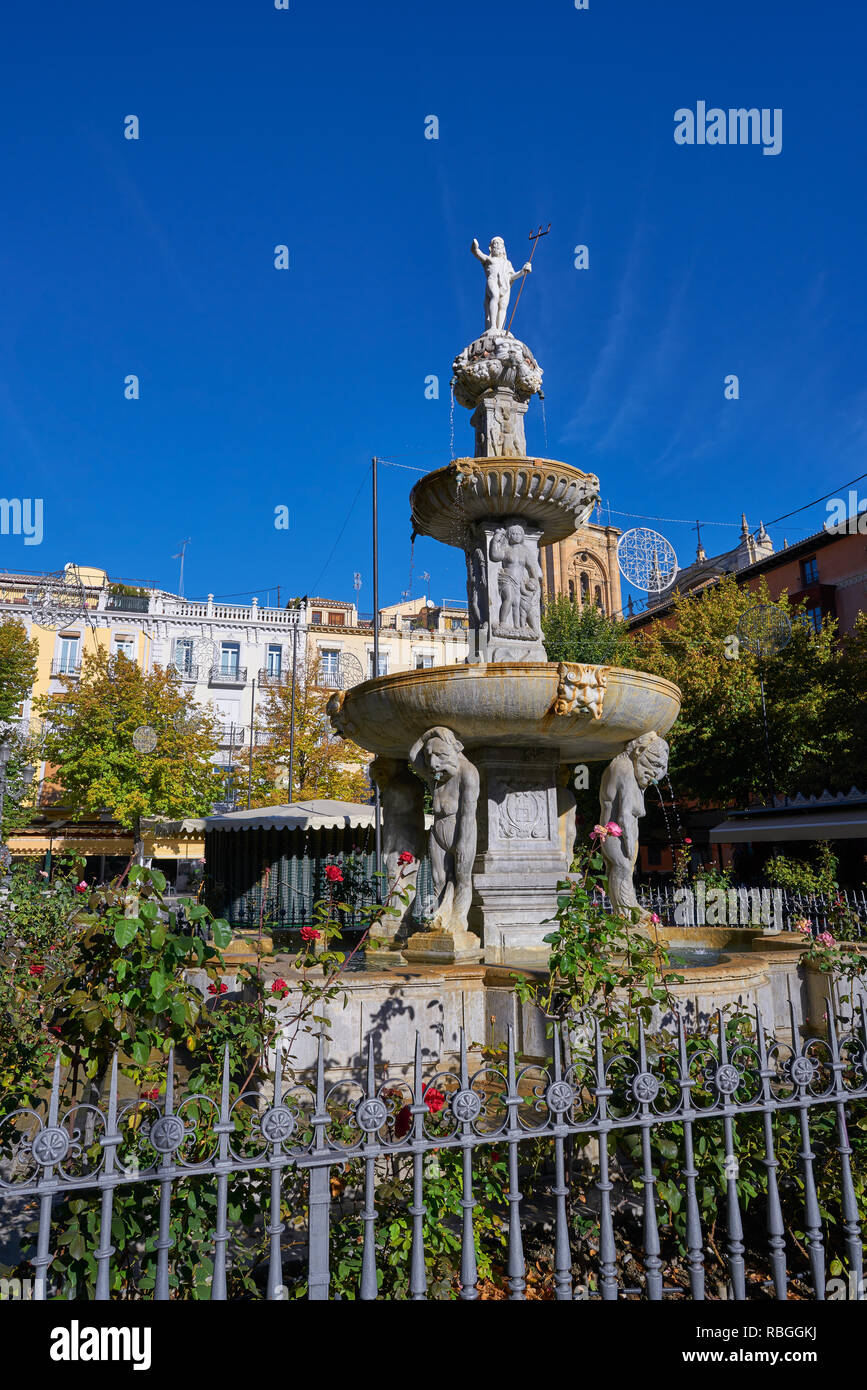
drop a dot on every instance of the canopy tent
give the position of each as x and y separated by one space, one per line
827 817
268 864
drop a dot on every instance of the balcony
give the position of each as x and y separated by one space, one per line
188 671
275 678
228 675
62 667
128 603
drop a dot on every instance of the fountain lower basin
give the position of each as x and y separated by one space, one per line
503 705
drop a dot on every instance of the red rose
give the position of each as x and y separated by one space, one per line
221 988
687 841
310 934
405 857
433 1099
278 986
37 970
150 1095
81 887
403 1123
333 873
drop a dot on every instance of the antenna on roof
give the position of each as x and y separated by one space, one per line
180 556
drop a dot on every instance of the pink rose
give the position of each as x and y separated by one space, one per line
655 918
613 828
81 887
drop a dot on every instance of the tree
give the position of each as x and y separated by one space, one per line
587 635
17 667
325 765
852 704
89 740
717 745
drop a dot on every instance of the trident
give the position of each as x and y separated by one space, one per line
534 237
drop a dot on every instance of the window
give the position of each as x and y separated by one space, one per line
316 618
230 658
809 571
423 662
813 615
585 587
336 619
456 624
183 659
125 646
597 599
68 662
275 660
383 665
571 590
329 666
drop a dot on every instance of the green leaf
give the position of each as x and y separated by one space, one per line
222 933
158 936
158 879
125 931
140 1052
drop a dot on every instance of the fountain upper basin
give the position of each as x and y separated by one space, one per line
509 704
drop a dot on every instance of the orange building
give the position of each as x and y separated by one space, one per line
826 572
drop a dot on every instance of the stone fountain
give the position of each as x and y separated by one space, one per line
496 739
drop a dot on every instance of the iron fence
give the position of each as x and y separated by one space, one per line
317 1128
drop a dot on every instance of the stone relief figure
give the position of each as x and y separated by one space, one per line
621 799
438 758
402 796
519 582
580 687
476 566
500 275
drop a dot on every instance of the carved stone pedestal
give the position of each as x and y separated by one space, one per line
520 857
442 947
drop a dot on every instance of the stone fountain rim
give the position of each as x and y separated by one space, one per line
557 517
516 668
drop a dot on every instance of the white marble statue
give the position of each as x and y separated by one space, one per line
621 799
438 758
500 275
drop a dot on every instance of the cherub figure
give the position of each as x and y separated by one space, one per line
500 275
438 758
519 580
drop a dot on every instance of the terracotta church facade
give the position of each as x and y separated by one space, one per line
584 568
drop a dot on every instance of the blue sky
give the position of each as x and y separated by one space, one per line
305 127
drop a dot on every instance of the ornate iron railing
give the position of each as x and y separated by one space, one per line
228 675
317 1127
